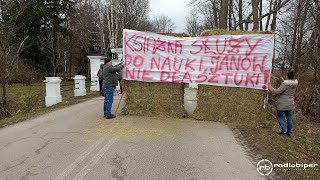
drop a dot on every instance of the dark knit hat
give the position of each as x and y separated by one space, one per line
290 75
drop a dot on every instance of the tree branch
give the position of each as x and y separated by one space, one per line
21 45
265 15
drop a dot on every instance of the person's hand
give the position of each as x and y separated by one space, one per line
282 79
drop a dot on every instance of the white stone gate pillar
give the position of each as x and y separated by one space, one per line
80 85
53 94
95 62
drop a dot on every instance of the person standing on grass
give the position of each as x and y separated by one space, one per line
285 104
110 80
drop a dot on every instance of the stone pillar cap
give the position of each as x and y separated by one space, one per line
79 77
52 80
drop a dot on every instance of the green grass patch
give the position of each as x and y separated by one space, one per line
26 102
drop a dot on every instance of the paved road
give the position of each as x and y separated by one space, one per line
77 143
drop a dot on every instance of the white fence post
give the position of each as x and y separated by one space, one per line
53 94
80 85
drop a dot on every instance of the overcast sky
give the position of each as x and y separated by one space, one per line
177 10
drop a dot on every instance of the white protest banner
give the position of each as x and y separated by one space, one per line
224 60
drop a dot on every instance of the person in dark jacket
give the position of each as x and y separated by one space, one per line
285 104
100 76
110 80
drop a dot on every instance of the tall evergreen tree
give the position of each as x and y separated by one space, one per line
43 22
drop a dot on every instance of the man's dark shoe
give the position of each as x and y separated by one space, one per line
282 133
110 116
288 134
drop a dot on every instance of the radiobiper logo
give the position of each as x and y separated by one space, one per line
264 167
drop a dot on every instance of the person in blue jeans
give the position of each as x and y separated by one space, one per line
110 80
285 104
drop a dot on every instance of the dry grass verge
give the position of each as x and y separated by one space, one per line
302 147
242 108
28 101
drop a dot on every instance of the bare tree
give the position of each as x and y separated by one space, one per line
9 52
298 36
163 23
269 15
311 109
277 5
299 30
209 11
193 26
55 44
135 12
234 14
125 14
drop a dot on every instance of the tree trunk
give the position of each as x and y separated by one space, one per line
223 19
112 26
117 29
54 62
311 102
240 14
109 26
102 36
302 21
254 4
59 59
274 19
260 15
71 52
269 17
294 39
123 15
314 102
230 13
215 15
247 24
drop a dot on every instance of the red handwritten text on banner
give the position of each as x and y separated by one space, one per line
227 60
